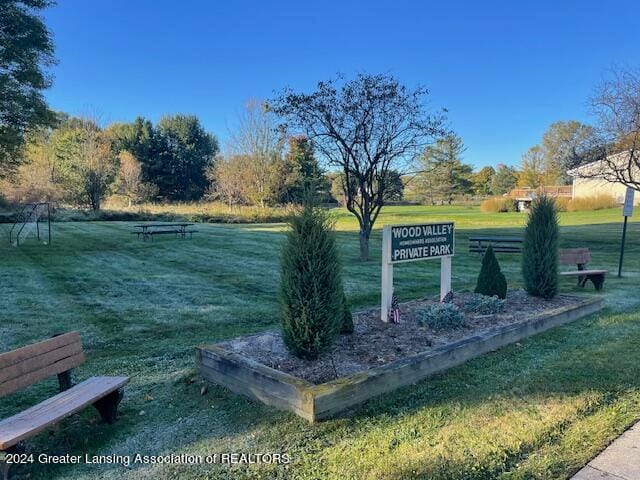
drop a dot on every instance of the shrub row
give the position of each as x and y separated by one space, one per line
499 205
248 215
563 204
595 202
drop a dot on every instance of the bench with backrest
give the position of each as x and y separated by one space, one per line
57 356
500 244
580 257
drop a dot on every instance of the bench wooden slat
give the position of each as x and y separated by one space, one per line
574 256
37 418
23 381
583 273
496 250
479 244
40 361
25 353
497 239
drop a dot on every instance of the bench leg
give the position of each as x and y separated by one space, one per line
4 466
597 280
108 406
64 380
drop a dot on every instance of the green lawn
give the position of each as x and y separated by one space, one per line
539 409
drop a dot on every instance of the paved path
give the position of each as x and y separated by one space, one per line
619 461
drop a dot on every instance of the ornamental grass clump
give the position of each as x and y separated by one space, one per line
312 301
441 316
540 249
491 281
484 305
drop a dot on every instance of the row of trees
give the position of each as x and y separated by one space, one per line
548 162
78 162
443 175
262 166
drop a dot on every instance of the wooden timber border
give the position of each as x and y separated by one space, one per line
319 402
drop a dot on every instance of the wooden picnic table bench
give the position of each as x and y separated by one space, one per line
580 257
180 230
57 356
500 244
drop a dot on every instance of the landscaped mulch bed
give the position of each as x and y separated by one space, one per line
375 343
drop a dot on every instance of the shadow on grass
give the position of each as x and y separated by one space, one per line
595 357
583 356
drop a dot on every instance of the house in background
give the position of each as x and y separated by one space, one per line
598 178
523 196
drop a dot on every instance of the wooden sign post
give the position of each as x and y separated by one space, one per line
411 243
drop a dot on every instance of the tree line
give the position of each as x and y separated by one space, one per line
78 162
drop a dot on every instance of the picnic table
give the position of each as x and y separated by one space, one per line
180 230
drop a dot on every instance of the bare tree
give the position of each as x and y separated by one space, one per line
258 145
227 179
129 175
130 180
612 152
366 127
96 152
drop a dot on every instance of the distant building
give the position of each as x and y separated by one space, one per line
524 196
597 178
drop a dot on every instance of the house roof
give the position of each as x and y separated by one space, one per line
598 165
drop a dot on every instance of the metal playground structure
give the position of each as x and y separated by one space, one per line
29 222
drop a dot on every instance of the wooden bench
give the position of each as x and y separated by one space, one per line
499 244
57 356
580 257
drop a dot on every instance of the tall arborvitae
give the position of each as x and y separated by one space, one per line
491 281
540 249
311 291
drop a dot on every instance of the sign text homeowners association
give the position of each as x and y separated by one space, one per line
420 242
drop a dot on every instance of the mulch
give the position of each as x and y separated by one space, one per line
374 343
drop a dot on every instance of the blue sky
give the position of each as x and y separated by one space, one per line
504 70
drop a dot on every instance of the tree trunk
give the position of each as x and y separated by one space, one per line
364 246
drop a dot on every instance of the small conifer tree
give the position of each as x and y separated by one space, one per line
540 249
347 318
311 290
491 280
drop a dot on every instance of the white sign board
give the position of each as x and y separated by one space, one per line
627 210
410 243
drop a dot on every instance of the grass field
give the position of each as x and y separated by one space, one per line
539 409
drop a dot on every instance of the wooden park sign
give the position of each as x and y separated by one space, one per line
410 243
